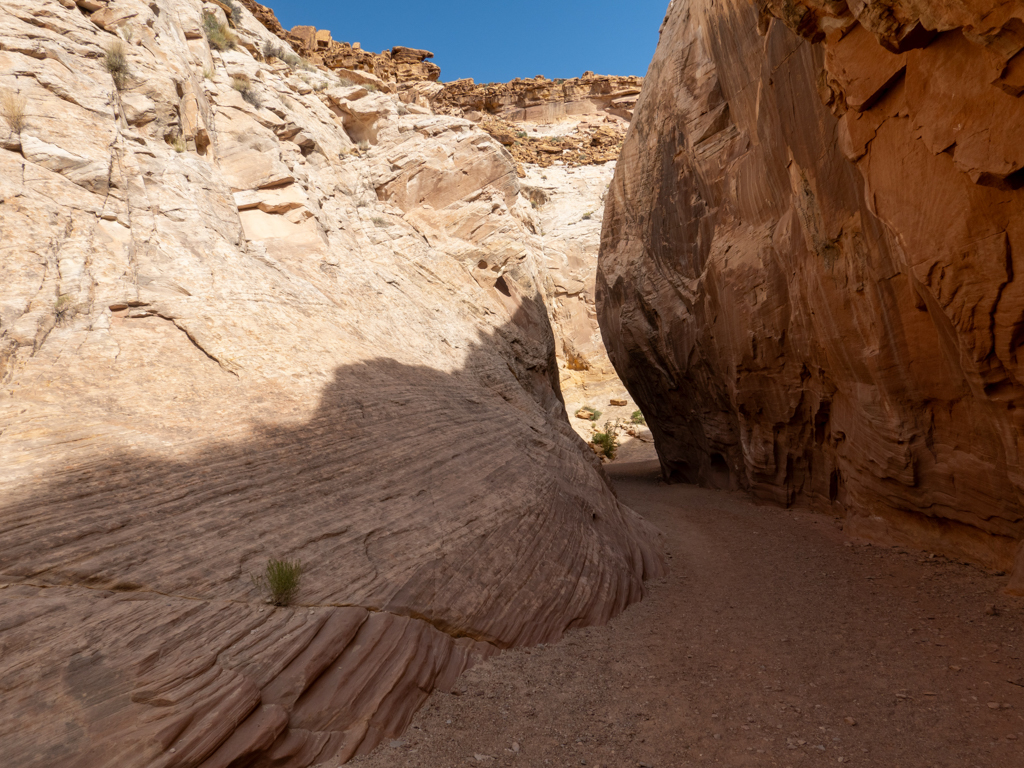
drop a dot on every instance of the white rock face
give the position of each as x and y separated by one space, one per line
316 332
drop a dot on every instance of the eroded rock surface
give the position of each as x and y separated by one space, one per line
318 47
809 263
247 312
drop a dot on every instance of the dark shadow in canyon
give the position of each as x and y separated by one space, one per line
379 492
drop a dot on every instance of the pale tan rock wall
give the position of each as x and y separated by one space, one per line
808 263
314 332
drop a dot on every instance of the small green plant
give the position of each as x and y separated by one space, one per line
587 215
280 581
638 418
217 34
178 143
243 85
64 309
115 59
520 134
595 414
12 108
606 441
207 73
380 221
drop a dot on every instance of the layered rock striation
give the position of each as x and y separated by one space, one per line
249 312
809 262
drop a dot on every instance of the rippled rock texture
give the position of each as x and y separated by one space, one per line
247 312
809 275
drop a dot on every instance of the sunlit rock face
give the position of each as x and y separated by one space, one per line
807 276
250 312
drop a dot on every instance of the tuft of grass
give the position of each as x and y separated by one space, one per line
115 59
595 414
638 418
12 108
218 35
64 309
279 582
606 441
178 143
587 215
207 73
243 85
380 221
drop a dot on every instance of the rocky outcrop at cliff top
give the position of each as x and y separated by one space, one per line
316 46
247 312
809 275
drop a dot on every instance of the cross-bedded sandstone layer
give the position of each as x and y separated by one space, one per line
248 312
810 262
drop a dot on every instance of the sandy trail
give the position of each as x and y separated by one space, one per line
772 642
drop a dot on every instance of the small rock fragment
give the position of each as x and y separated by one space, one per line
850 721
993 705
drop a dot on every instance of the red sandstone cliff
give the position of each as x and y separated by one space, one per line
808 263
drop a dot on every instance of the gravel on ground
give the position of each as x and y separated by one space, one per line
774 641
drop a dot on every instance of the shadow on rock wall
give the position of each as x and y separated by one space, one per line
438 517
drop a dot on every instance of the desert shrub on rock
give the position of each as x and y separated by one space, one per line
607 441
64 310
115 59
243 85
217 34
12 109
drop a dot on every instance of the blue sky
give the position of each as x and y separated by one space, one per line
496 41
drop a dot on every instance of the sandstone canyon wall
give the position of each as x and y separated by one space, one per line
809 261
247 311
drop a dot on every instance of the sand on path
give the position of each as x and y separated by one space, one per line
772 642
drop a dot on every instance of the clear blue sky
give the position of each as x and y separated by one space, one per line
496 41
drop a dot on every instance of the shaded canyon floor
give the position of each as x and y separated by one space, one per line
772 642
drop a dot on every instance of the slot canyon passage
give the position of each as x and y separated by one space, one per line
265 294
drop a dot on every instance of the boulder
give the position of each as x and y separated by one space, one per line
807 272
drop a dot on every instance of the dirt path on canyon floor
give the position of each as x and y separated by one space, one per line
772 642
